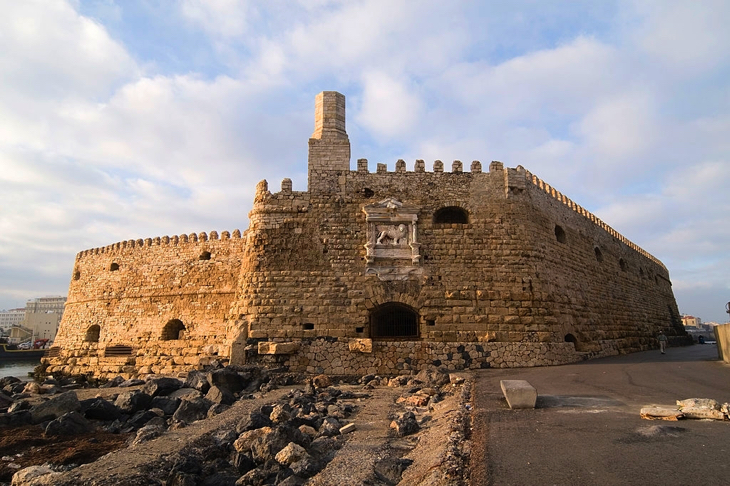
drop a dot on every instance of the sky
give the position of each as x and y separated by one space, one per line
131 119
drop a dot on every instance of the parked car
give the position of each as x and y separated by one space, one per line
25 345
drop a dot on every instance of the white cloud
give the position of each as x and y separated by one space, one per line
390 108
621 126
684 36
224 18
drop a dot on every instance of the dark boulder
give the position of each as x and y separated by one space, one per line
166 404
55 407
255 420
19 405
221 395
5 401
197 380
185 393
162 386
405 424
190 411
266 447
139 420
227 378
133 401
330 427
132 382
99 409
114 382
243 462
71 423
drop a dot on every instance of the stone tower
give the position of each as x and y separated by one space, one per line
329 147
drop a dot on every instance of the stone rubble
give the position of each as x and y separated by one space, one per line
285 442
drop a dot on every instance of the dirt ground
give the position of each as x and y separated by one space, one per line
27 446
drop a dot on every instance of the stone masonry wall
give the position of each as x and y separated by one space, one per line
132 289
503 277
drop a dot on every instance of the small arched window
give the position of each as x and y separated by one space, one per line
92 334
559 234
451 215
114 267
172 330
622 264
205 255
599 255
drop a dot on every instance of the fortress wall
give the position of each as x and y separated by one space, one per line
132 289
602 286
477 277
502 278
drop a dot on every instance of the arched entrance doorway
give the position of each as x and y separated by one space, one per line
394 321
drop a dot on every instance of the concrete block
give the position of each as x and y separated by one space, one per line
519 393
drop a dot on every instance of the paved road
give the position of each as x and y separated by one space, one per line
586 429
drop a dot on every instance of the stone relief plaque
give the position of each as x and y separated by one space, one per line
392 250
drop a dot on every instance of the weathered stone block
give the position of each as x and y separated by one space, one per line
268 347
361 345
519 393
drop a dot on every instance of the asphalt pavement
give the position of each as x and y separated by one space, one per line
587 430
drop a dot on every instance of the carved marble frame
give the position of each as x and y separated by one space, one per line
386 213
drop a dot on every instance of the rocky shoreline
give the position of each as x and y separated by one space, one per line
237 426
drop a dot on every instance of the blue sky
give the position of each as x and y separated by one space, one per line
131 119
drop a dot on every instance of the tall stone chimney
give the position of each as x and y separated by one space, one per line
329 147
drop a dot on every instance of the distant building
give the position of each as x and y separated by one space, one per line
10 318
41 319
692 321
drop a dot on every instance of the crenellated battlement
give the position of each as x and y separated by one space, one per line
562 198
160 241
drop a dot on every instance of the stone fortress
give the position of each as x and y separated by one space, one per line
364 272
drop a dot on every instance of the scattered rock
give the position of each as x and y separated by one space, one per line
185 394
246 439
32 387
129 383
71 423
147 433
280 414
5 401
404 425
99 409
330 427
255 420
347 429
166 404
220 395
456 379
661 413
192 410
390 469
161 386
55 407
35 475
227 378
139 420
132 401
321 381
291 453
197 380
